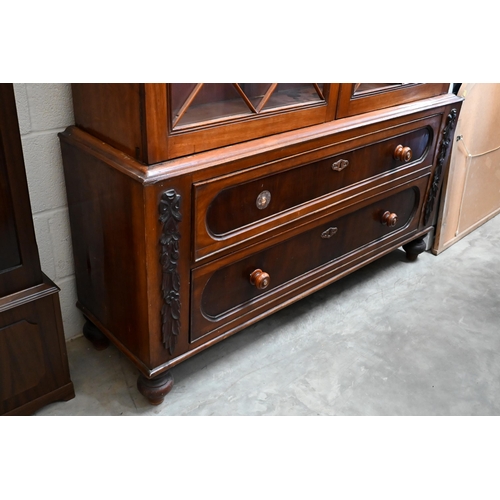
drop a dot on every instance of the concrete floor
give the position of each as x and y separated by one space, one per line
395 338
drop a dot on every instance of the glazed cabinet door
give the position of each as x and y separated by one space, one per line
204 116
19 260
357 98
155 122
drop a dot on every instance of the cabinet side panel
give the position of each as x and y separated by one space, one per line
111 112
106 212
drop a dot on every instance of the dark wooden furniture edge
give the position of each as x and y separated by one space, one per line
28 295
64 393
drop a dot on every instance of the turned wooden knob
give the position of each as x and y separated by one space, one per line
389 219
260 279
402 153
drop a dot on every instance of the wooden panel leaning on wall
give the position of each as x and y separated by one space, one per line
473 184
33 364
174 256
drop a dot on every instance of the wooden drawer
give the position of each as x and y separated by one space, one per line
222 292
242 206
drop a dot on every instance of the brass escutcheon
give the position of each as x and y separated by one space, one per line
340 165
329 233
263 200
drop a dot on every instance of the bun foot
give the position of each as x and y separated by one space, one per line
155 389
414 249
98 339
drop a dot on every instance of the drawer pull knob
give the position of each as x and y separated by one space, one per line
263 200
389 219
329 233
260 279
340 165
402 153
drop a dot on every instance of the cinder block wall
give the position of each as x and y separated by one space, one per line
44 110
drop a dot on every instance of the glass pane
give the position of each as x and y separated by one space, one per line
195 104
179 93
255 91
9 247
368 88
293 94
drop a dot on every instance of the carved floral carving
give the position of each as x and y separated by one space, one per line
442 156
170 216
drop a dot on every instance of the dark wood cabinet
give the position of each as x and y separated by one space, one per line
33 364
194 216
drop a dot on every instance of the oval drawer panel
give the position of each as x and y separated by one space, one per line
219 290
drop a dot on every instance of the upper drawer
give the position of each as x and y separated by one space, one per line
230 209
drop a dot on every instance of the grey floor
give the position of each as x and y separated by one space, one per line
395 338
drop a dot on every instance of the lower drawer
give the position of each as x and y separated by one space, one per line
234 287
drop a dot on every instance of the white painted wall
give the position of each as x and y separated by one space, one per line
44 110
